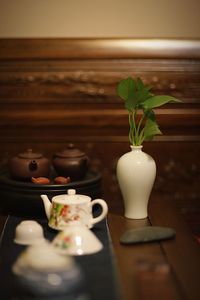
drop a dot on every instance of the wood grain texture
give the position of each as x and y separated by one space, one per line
166 270
183 252
57 91
138 264
99 47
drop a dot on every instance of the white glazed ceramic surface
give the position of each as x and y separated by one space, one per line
70 197
44 274
136 173
72 207
77 239
41 257
29 232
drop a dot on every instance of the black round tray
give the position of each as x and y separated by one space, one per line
23 198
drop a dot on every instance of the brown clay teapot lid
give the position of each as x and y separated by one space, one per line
70 152
29 154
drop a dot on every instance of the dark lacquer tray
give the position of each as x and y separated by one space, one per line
23 198
98 269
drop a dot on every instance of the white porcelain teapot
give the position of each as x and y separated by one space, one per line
71 207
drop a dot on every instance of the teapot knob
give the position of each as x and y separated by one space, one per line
71 192
33 165
70 146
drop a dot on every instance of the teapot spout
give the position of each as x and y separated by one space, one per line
47 205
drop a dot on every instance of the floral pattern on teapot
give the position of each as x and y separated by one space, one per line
62 215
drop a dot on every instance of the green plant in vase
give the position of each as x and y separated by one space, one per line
140 103
136 170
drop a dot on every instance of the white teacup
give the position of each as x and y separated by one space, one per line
65 209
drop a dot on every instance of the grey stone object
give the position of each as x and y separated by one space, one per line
147 234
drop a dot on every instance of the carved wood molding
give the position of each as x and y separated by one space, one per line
96 85
88 70
65 85
98 48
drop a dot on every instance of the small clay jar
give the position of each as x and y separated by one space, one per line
71 162
29 164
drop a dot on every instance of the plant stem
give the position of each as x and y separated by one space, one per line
130 118
133 132
139 134
135 127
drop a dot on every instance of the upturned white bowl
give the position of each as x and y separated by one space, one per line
76 239
29 232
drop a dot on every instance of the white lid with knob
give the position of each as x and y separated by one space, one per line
70 197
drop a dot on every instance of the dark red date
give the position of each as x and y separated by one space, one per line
40 180
62 180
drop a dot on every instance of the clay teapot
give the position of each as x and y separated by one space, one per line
71 162
29 164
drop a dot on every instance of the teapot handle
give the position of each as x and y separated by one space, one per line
33 165
103 213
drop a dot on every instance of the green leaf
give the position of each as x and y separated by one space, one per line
151 128
159 100
137 96
150 114
142 91
126 90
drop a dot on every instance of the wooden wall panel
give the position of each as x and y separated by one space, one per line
56 91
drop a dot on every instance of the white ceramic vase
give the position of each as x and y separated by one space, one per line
136 172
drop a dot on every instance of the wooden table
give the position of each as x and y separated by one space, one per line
165 270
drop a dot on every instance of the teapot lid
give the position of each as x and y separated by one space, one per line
29 154
70 196
70 152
